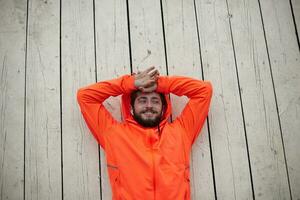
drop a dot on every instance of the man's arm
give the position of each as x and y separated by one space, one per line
91 100
199 94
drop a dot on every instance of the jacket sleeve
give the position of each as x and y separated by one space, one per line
199 93
91 98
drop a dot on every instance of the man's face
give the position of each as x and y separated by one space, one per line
147 109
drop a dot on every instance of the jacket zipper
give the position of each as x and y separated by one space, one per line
154 182
153 165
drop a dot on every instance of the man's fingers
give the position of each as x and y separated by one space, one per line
141 89
153 73
149 69
150 88
146 78
149 82
145 71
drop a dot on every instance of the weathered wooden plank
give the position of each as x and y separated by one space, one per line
80 149
262 126
229 150
146 35
296 10
285 61
12 79
183 55
112 49
43 138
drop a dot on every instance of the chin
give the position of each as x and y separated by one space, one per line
145 121
148 122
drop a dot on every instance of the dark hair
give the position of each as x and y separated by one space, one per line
134 94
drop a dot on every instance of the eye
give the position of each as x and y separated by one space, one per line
143 101
155 101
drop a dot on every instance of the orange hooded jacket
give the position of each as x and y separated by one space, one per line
147 163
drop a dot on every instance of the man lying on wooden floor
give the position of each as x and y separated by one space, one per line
147 156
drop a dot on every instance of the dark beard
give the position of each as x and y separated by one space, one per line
148 122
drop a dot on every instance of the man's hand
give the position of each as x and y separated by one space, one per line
146 81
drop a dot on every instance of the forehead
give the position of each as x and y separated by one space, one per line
150 95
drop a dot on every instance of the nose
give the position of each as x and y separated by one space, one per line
149 104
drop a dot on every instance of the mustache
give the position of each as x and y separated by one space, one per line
149 110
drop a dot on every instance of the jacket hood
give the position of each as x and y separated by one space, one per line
127 116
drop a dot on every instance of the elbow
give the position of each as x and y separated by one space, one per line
80 95
209 88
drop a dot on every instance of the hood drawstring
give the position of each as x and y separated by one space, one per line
161 118
158 129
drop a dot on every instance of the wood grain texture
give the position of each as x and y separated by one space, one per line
146 35
246 45
112 47
285 61
264 137
12 94
183 55
296 10
80 149
229 150
43 139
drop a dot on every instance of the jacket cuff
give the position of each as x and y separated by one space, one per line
128 84
163 84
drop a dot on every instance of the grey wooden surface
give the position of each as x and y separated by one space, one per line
249 50
42 116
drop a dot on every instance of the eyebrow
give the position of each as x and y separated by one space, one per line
146 97
155 98
141 98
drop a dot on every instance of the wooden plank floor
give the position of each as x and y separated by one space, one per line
249 50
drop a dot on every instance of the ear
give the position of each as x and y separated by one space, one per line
131 110
162 111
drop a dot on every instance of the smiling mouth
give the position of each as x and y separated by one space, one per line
149 112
